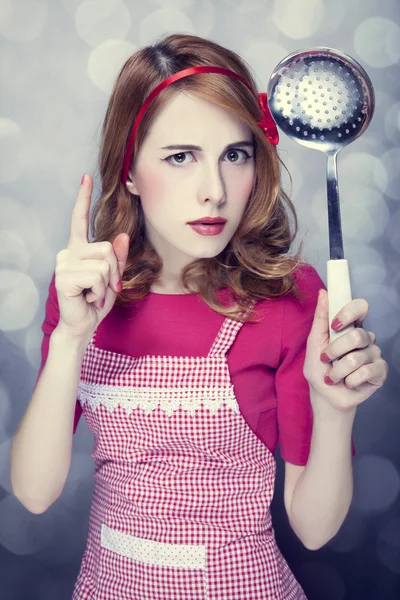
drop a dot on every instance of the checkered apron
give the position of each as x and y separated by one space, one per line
183 486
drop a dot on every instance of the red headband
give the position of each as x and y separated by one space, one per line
267 123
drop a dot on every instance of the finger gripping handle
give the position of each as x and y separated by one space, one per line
339 293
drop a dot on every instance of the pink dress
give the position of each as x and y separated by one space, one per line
183 486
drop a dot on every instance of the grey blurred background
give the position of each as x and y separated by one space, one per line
58 61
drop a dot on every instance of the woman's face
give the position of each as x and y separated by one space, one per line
178 184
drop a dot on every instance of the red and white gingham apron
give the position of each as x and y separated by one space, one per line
183 486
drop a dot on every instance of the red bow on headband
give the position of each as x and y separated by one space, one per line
267 122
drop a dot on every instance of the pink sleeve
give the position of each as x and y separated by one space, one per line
294 414
52 316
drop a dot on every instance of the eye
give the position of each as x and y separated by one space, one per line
177 156
234 152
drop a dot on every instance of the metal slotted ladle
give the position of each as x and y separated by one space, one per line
323 99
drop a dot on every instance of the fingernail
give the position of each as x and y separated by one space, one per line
328 380
83 179
325 358
119 286
336 324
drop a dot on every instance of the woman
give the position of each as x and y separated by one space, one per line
192 341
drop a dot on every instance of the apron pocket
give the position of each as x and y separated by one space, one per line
134 568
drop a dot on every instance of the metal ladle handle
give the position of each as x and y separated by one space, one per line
338 278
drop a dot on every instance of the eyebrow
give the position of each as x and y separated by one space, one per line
241 144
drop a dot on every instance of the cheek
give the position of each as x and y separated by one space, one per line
164 193
152 190
241 184
248 184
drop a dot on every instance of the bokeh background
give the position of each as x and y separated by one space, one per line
58 61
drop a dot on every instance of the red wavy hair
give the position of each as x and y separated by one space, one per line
256 263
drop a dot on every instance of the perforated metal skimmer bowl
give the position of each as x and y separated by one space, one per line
323 99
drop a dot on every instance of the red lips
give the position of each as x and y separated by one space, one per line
209 221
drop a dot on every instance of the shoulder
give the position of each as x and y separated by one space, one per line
299 313
285 322
308 281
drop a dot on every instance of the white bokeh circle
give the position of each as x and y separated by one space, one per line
395 358
5 475
19 300
376 484
204 15
263 56
364 213
29 238
175 4
71 6
105 62
365 263
391 162
13 251
384 308
32 345
5 408
298 19
11 144
81 159
351 535
364 169
22 21
375 418
335 14
377 42
97 22
393 231
388 545
65 545
390 532
78 80
162 22
22 532
244 7
392 123
5 69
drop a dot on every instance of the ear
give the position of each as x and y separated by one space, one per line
131 185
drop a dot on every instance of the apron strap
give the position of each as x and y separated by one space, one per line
227 334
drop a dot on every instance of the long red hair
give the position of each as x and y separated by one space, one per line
256 263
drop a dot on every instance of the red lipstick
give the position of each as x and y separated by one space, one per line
208 225
209 220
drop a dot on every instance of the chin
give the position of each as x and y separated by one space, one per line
206 254
209 252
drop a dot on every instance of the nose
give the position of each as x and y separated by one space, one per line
212 186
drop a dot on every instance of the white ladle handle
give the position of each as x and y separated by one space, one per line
339 294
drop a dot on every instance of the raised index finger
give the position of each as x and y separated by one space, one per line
80 214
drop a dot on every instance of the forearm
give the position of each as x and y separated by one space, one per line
323 493
42 445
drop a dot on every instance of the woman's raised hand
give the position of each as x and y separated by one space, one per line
87 274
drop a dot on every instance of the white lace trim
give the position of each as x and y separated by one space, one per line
184 556
148 398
